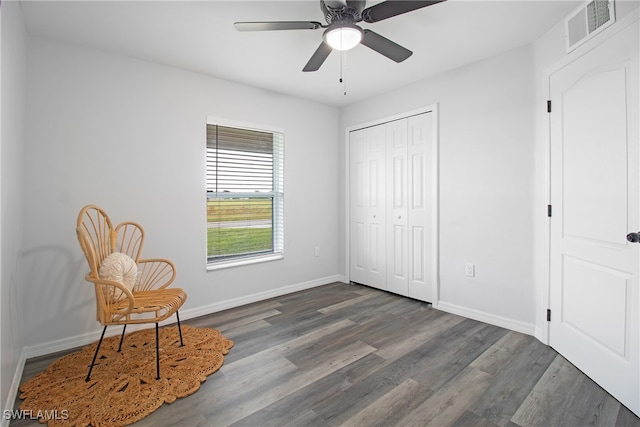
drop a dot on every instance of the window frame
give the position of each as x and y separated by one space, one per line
277 196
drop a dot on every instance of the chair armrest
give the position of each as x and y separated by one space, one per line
155 273
110 309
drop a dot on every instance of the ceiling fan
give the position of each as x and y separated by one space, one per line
342 33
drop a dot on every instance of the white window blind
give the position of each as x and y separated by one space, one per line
244 193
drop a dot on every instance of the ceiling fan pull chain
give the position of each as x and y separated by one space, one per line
343 78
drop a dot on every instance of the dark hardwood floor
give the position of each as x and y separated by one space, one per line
350 355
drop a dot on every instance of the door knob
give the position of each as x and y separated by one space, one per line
634 237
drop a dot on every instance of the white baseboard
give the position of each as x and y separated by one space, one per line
13 390
492 319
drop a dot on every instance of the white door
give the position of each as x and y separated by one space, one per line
367 207
358 212
410 217
421 207
377 205
595 199
397 170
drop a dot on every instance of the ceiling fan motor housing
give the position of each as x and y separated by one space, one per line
349 13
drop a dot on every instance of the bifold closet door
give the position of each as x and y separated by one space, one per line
420 206
391 201
409 206
397 177
368 207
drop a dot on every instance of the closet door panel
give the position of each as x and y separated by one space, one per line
358 206
397 197
418 258
376 209
420 206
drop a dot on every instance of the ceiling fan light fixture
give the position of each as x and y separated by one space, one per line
343 36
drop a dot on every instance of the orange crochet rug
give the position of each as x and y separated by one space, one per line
123 388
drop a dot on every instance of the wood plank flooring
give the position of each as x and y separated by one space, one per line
350 355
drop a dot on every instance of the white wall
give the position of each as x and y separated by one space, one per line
12 139
129 135
486 126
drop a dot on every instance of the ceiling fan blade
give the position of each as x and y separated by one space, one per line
385 46
390 8
277 25
318 57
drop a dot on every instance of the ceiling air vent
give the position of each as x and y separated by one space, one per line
587 21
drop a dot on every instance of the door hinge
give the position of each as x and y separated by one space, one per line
549 210
548 106
548 315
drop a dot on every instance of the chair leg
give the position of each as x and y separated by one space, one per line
122 338
157 355
96 354
179 330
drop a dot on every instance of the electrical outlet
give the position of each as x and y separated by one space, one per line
470 270
317 251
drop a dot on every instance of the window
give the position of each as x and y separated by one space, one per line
244 195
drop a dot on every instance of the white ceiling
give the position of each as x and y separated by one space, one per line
200 36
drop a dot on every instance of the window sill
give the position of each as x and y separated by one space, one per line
246 261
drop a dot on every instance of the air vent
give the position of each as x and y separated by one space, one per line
588 21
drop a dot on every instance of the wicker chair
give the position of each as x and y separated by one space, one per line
149 301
